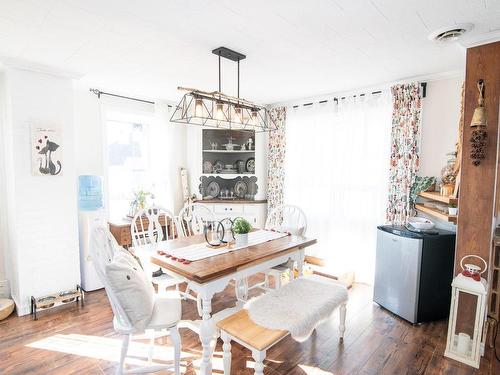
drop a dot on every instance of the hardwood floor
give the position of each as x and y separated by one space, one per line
74 340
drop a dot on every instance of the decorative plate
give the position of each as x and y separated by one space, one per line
240 189
250 165
208 167
213 189
218 166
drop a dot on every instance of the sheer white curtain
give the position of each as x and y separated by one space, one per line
336 170
168 157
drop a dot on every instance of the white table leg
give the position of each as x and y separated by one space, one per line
226 347
342 311
207 332
300 261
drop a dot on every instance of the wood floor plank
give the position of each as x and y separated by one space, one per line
376 342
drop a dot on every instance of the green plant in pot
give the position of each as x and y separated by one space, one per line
452 209
420 184
241 228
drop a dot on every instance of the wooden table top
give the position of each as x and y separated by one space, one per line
207 269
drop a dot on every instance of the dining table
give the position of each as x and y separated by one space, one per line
212 274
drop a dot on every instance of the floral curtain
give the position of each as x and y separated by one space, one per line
405 149
276 159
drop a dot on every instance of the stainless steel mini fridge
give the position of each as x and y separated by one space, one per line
413 272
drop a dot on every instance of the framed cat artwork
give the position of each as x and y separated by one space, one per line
46 151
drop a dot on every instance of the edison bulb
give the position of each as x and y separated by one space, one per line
238 115
254 118
198 108
219 111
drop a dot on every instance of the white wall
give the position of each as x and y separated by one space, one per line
89 134
4 232
42 213
440 117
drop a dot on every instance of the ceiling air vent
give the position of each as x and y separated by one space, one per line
450 34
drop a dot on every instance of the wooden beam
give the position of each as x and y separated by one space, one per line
477 183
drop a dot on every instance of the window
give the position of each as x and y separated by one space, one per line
129 168
341 181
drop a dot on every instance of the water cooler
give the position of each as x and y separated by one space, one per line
90 212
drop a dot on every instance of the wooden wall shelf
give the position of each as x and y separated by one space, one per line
436 213
435 196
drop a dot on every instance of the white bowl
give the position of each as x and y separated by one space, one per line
421 223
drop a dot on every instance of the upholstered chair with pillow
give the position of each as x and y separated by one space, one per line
151 226
136 306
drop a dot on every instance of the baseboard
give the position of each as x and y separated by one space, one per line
22 310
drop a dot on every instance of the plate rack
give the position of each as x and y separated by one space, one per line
56 299
228 152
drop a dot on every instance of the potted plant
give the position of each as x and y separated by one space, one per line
241 228
420 184
452 209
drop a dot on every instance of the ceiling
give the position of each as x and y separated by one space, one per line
294 48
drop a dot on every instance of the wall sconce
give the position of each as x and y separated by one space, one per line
479 135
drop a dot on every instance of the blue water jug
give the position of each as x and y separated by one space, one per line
90 193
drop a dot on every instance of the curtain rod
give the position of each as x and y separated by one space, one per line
424 92
99 93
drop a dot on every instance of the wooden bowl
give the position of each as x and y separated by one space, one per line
70 293
45 302
6 307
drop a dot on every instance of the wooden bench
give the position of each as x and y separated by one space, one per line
240 328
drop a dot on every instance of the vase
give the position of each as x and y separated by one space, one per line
452 210
241 239
447 190
448 174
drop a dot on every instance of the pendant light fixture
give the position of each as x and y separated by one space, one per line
218 110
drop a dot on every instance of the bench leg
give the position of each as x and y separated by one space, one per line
226 347
342 311
259 357
277 281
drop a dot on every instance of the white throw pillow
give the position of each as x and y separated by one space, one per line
131 287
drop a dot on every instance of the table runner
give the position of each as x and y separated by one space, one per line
201 251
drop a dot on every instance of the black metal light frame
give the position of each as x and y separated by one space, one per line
235 113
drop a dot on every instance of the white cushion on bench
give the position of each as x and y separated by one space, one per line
299 306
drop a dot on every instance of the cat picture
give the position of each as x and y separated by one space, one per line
46 154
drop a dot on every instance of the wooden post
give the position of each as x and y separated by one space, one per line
478 193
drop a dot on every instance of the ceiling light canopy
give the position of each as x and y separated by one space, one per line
218 110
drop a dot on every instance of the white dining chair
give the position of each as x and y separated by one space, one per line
192 220
166 311
147 230
286 219
194 217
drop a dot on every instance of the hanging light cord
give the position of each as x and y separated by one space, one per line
220 86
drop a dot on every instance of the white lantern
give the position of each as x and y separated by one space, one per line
465 342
